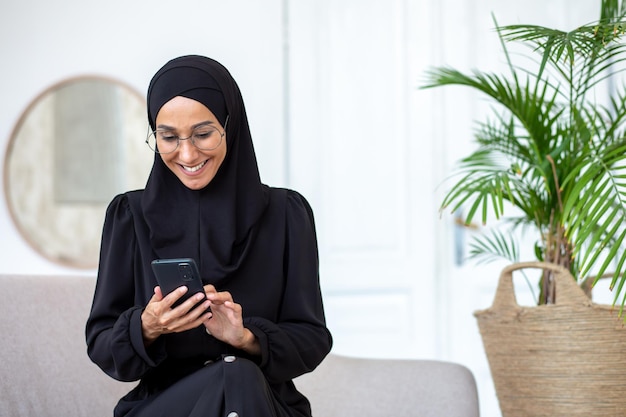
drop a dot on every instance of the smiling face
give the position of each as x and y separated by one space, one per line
195 168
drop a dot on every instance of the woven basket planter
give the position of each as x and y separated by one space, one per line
564 359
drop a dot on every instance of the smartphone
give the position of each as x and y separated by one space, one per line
173 273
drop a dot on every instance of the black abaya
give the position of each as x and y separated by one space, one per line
277 285
228 387
256 242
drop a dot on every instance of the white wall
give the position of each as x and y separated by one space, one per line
295 87
44 42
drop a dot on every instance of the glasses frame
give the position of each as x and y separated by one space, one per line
190 138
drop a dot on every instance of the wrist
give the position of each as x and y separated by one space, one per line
250 343
149 335
148 338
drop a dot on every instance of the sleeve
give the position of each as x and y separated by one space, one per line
300 340
113 329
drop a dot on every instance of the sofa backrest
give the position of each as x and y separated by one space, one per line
44 367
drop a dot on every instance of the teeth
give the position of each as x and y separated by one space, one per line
194 169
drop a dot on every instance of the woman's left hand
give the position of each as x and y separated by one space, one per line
226 324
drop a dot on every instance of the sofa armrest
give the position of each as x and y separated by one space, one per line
345 386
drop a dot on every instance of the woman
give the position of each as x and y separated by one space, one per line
262 322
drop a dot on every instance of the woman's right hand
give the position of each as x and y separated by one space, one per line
160 318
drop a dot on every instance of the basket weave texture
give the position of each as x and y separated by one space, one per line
563 359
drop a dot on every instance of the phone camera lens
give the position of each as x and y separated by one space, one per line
185 272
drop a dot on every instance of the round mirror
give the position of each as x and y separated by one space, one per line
76 146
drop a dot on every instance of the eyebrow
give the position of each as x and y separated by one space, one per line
166 127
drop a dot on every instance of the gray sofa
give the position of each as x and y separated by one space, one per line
45 371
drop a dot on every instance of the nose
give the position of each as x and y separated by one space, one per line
186 150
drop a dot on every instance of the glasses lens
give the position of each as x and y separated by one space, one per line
151 141
207 138
162 141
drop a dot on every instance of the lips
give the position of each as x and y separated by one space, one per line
194 168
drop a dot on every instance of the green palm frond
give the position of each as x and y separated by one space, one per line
551 147
497 245
493 246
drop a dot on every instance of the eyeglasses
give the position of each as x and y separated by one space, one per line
205 138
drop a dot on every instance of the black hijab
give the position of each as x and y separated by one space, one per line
216 224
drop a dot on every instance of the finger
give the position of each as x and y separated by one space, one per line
158 293
188 304
201 311
228 315
193 324
172 297
184 317
193 319
235 311
228 306
220 297
156 296
153 307
232 305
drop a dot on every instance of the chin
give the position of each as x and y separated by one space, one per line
196 184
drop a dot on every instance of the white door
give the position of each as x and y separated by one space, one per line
370 150
361 148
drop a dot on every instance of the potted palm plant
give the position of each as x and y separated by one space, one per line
555 149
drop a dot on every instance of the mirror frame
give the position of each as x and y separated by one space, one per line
65 259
